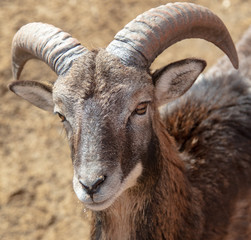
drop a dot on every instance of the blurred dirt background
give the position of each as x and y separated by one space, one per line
36 196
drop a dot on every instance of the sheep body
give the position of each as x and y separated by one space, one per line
211 126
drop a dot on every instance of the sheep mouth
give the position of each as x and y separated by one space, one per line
109 191
101 199
102 205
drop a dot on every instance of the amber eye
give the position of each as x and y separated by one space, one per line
62 117
141 108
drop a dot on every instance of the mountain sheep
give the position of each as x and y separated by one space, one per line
184 173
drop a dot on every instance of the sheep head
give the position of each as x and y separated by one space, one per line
107 98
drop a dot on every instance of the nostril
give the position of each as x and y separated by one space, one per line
98 182
83 185
93 187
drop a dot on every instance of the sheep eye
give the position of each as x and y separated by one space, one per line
141 108
62 117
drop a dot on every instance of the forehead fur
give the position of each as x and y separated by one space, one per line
99 73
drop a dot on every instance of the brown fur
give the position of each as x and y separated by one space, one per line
195 186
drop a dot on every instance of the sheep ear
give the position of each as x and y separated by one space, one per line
173 80
37 93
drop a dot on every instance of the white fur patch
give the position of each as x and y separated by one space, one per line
131 179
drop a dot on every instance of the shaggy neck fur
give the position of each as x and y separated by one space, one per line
162 206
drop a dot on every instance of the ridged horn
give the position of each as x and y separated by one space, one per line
47 43
148 35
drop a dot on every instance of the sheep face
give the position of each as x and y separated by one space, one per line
106 106
107 109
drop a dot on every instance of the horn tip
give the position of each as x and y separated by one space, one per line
235 60
236 63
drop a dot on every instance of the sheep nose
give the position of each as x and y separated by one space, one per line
94 186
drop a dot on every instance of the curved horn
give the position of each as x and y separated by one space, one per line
145 37
47 43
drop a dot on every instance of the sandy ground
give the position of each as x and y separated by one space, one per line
36 196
